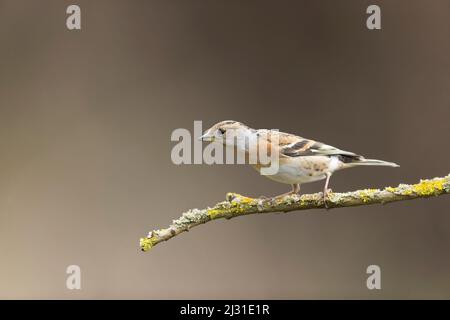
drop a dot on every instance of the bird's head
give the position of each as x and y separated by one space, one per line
219 131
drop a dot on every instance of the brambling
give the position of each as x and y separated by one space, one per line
300 160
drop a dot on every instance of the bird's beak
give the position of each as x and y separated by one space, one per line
206 137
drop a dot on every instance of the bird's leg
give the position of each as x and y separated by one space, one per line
295 190
325 190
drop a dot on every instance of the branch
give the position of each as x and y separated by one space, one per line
237 205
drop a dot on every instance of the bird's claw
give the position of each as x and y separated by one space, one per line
326 198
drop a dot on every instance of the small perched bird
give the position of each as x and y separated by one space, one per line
300 160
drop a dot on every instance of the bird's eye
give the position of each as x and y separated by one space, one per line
222 131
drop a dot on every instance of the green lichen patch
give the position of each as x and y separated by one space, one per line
307 200
288 199
447 186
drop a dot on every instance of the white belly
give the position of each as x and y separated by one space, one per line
304 169
290 174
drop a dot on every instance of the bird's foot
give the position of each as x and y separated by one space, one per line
287 194
326 197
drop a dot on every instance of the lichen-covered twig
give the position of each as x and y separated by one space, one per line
237 205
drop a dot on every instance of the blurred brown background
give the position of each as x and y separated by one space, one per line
85 124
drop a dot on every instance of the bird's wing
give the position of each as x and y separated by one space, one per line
294 146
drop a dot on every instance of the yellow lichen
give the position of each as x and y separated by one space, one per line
235 205
423 188
146 243
214 213
429 187
366 194
391 189
244 200
240 207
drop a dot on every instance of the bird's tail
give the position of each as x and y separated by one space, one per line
370 162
